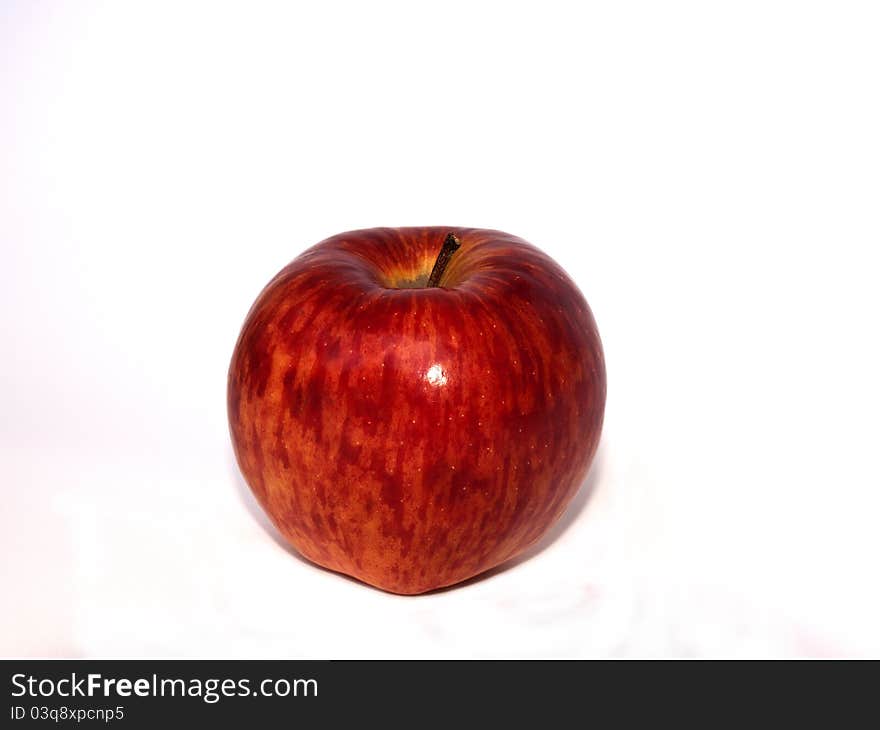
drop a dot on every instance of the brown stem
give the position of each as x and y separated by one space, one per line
450 246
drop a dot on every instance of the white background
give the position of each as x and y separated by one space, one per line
709 174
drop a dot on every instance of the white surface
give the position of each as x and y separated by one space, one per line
708 174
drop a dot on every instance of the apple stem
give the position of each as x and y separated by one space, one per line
450 246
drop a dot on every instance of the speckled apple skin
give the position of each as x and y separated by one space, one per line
416 437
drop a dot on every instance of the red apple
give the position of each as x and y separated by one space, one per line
414 433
